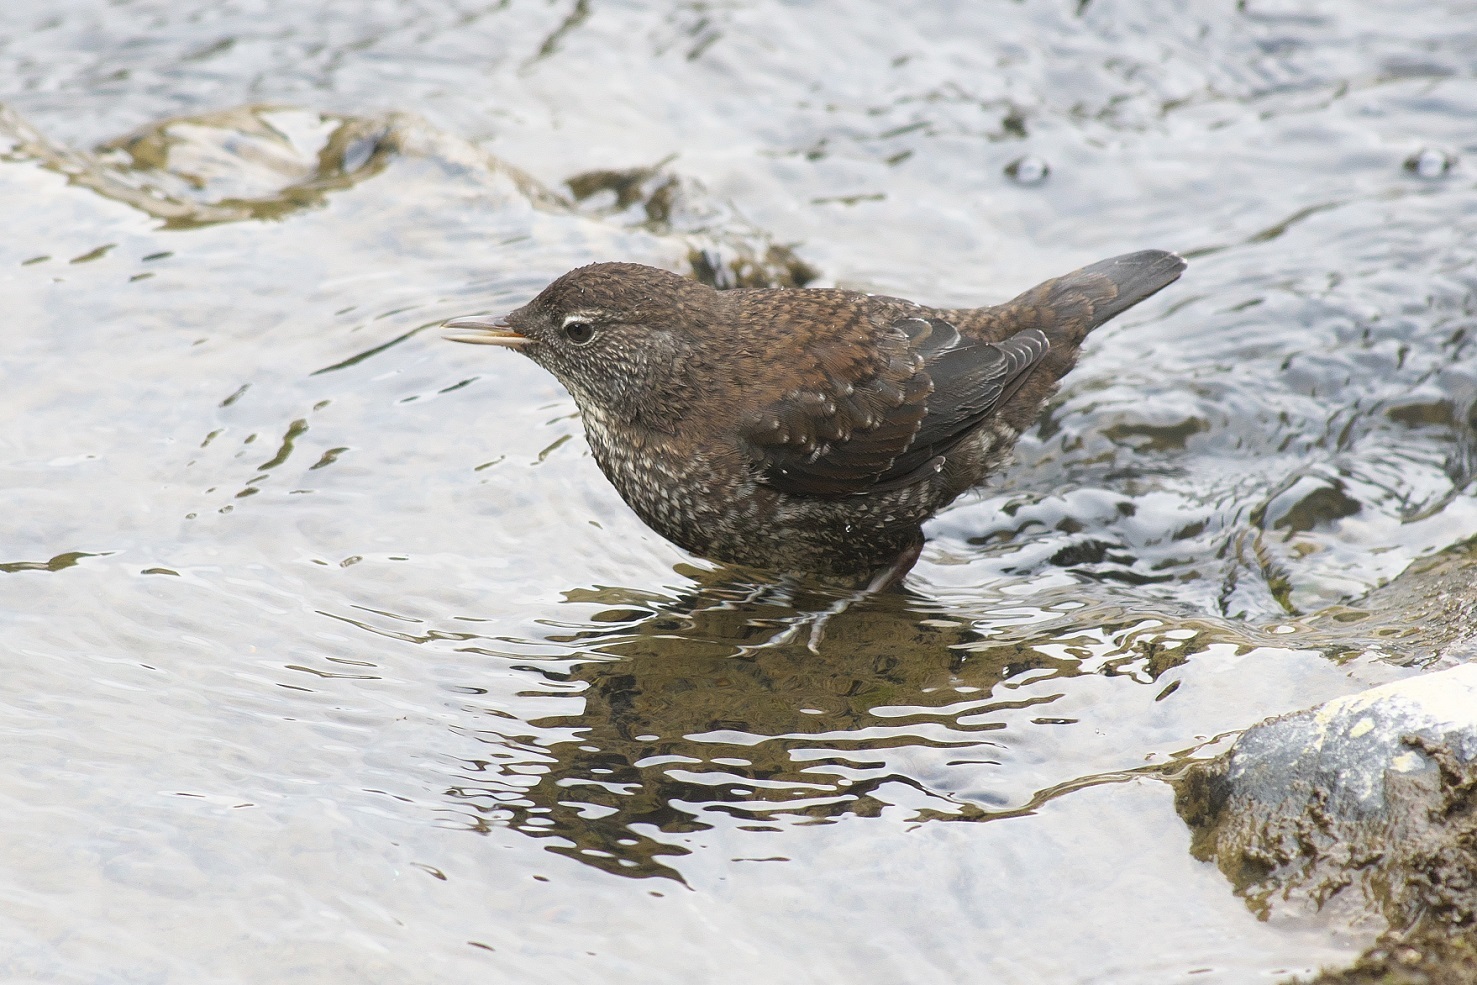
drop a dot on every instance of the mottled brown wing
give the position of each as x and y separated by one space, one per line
971 379
925 391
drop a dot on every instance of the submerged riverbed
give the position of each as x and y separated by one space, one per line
329 653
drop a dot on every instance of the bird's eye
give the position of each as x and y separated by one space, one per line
579 332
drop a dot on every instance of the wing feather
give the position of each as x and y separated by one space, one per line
884 422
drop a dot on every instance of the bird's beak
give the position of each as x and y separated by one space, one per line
485 331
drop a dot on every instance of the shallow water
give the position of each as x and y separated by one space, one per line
329 654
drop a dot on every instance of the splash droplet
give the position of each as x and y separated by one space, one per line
1028 170
1430 162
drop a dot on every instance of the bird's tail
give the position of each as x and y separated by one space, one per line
1108 288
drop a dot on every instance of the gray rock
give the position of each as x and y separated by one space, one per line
1363 808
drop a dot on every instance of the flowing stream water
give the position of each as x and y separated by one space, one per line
329 655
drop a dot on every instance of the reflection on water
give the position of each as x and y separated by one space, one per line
778 705
739 698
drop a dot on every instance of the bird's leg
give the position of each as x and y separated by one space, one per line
782 591
893 575
884 580
789 589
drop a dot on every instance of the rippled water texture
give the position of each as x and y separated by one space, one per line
328 654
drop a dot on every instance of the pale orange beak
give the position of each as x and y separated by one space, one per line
484 331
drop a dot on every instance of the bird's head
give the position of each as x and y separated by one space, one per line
621 337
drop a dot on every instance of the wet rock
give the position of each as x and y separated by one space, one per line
1425 617
1307 502
1427 956
732 252
1146 436
268 162
251 162
1298 519
1363 809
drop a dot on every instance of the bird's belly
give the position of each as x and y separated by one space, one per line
702 507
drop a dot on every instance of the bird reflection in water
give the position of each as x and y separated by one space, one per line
709 703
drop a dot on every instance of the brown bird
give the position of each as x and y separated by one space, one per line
806 430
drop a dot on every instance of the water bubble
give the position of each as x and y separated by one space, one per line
1429 162
1028 170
